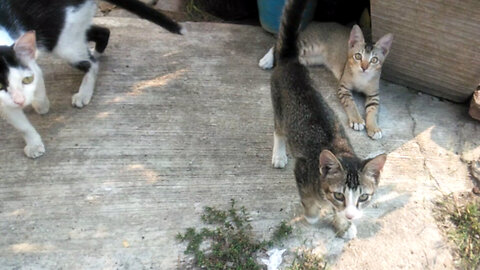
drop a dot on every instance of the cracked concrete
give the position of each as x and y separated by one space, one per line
179 123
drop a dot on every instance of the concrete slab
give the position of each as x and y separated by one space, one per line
179 123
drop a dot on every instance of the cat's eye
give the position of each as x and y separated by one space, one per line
363 197
338 196
27 80
358 56
374 60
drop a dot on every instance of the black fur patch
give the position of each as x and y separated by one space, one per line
7 59
100 36
46 17
368 47
352 167
83 66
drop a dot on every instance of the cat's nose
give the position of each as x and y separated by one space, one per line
349 216
18 98
364 67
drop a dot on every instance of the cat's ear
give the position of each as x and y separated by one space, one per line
329 164
26 46
374 166
385 43
356 36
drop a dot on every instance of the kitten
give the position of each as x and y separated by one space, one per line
355 63
326 168
63 28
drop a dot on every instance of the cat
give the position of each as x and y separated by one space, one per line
327 169
356 64
63 28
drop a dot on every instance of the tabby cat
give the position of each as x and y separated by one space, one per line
355 63
63 28
326 168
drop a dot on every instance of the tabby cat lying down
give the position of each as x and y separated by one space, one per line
355 63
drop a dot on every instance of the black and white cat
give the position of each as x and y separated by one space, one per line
64 28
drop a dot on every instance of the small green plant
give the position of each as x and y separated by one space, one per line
283 230
230 243
463 216
307 260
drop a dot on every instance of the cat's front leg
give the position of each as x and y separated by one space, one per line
40 102
343 227
355 120
372 104
279 155
16 117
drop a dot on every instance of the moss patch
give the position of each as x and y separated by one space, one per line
459 216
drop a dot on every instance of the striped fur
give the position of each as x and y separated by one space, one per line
335 46
327 171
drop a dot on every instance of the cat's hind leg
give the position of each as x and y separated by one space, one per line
81 58
16 117
72 46
99 35
84 95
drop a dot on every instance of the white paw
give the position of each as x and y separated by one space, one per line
42 108
357 126
279 161
79 100
34 150
377 135
96 54
183 31
267 61
312 220
350 233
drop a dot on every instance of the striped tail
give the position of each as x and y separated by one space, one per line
286 47
142 10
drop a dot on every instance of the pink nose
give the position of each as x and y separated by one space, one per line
18 98
349 216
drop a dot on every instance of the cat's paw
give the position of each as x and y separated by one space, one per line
267 61
279 161
34 150
350 233
79 100
312 220
375 133
357 125
41 108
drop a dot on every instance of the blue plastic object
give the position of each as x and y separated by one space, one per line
270 12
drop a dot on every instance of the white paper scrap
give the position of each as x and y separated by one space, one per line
275 258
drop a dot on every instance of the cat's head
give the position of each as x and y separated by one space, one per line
18 71
349 183
364 57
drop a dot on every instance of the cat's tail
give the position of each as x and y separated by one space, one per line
286 47
148 13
